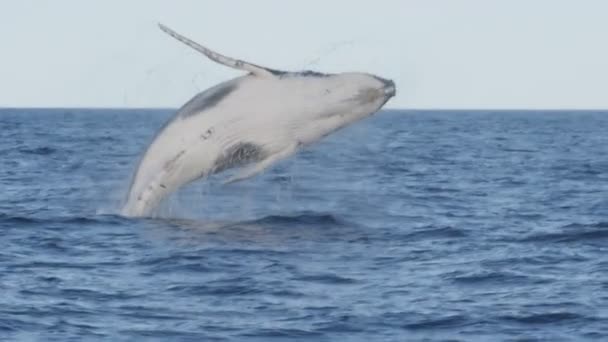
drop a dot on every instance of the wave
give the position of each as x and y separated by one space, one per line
431 232
282 333
439 323
418 321
573 233
300 223
330 279
545 318
41 151
307 218
6 219
491 278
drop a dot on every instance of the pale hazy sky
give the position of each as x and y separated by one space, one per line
441 53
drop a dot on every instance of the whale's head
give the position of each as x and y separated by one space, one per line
358 94
344 97
350 96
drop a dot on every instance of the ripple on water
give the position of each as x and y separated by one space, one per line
217 288
432 232
330 279
12 221
573 233
446 322
545 318
283 333
41 151
305 219
491 278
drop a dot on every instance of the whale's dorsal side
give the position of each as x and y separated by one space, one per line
256 70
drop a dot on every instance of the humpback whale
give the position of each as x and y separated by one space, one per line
250 123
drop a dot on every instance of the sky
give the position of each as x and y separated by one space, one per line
474 54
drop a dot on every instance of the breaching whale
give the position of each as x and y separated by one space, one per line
249 122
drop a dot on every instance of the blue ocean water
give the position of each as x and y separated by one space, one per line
408 226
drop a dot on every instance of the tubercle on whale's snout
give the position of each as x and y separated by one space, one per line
390 89
388 86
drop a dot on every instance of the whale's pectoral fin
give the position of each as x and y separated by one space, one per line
262 165
216 57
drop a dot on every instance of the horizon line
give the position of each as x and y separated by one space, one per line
489 109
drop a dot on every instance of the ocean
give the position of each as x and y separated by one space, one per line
408 226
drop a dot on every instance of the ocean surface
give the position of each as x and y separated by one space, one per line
408 226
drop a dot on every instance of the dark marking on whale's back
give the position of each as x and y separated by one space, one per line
304 73
171 163
207 99
310 73
238 155
279 73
